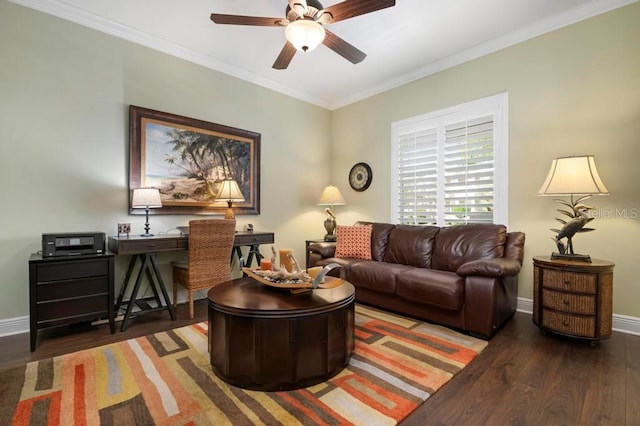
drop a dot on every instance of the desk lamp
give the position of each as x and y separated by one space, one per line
573 176
229 191
331 196
146 198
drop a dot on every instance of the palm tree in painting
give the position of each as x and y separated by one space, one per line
209 159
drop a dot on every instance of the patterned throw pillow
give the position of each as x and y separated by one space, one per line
353 241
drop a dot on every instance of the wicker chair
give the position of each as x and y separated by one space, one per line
210 245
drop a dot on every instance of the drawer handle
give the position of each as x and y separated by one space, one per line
565 323
566 302
567 281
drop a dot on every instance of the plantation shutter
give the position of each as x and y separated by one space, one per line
469 171
417 153
450 166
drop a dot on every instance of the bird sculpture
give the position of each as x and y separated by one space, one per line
572 227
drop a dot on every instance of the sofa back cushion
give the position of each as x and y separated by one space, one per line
379 238
459 244
411 245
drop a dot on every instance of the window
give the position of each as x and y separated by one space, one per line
450 166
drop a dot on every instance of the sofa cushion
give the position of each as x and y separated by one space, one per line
379 237
460 244
353 241
411 245
378 276
431 287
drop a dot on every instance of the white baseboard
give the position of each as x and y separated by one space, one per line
621 323
16 325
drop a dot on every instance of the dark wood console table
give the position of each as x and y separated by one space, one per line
145 249
267 339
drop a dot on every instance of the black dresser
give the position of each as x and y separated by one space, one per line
70 289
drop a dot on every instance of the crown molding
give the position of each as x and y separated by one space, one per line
65 11
70 13
569 17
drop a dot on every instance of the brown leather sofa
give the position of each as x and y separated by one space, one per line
463 276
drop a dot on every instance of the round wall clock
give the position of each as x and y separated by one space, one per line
360 176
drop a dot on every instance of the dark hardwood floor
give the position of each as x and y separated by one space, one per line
521 378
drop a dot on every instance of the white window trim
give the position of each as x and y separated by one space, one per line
498 105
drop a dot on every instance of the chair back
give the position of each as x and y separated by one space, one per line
210 246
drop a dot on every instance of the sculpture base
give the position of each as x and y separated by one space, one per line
331 238
574 257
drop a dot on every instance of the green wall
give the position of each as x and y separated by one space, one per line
65 92
64 140
572 91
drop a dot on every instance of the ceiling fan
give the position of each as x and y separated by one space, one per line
304 26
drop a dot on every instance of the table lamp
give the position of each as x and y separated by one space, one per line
230 191
572 176
331 196
146 198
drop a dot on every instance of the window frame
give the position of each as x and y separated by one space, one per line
495 105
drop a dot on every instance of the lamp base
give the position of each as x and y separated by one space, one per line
330 227
575 257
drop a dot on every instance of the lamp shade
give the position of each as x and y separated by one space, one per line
305 34
331 196
230 191
573 175
146 198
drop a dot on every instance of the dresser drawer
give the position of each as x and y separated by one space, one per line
57 290
569 281
69 308
569 302
575 325
53 271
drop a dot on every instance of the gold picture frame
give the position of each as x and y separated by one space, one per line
186 158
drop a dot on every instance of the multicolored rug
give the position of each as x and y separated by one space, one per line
166 379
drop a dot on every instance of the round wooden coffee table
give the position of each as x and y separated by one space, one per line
267 339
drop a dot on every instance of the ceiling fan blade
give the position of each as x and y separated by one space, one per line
285 57
350 8
246 20
342 48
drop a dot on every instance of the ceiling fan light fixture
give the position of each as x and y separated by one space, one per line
305 34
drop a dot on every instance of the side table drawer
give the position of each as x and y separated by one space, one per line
575 325
570 281
569 302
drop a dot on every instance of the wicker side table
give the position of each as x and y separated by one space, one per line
573 298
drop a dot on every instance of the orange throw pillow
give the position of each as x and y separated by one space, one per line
353 241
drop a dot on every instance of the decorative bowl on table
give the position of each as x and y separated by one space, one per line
321 280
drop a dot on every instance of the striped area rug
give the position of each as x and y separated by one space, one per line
166 379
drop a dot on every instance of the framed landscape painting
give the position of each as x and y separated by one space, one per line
187 159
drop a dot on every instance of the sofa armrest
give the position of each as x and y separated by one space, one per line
490 268
326 249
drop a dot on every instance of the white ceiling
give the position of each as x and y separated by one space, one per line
411 40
